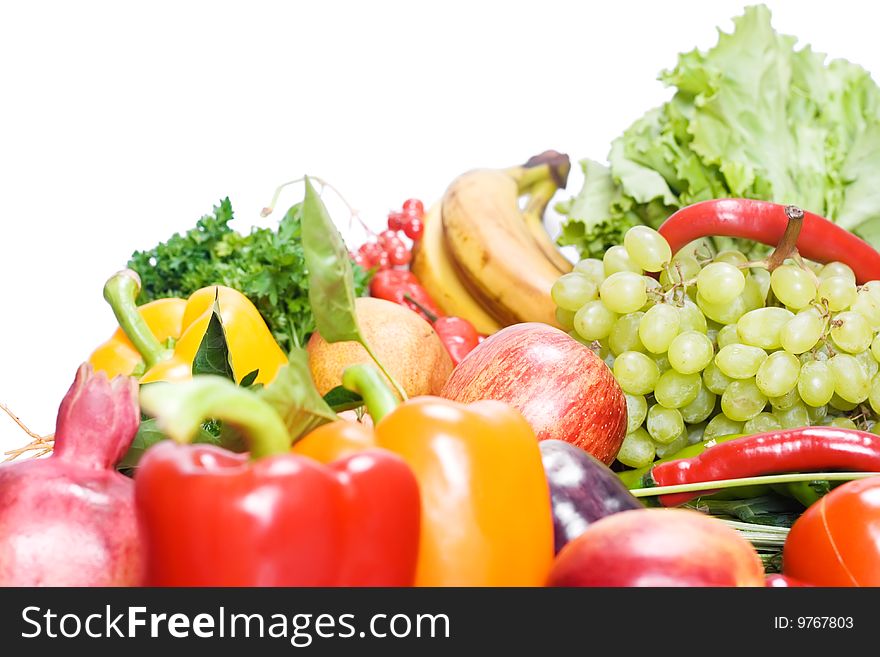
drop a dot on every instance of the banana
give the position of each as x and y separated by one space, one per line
495 253
434 269
533 216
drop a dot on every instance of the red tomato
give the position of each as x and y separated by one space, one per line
836 542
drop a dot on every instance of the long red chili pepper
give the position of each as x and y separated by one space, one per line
791 450
761 221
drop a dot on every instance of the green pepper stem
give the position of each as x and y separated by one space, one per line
121 291
748 481
394 383
366 381
180 409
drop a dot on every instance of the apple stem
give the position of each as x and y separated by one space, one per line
750 481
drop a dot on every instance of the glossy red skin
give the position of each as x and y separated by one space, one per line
765 222
658 547
836 541
212 518
69 520
562 388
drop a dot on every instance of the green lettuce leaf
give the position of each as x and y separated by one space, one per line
752 117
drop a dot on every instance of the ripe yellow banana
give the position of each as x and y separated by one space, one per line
533 214
495 253
437 274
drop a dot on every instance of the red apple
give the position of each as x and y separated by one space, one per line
562 388
658 547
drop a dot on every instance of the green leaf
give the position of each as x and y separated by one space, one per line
213 354
249 378
331 280
293 394
148 434
755 117
341 399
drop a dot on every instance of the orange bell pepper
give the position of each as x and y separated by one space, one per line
486 516
139 346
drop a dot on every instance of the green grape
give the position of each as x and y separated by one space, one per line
786 401
636 373
802 332
571 291
843 423
793 417
594 321
623 292
674 447
762 279
636 410
761 423
721 425
651 284
690 352
727 335
729 313
592 268
637 450
851 332
762 327
793 286
874 394
662 361
691 318
701 408
851 382
839 403
875 348
617 259
624 334
664 424
743 400
714 379
816 413
778 374
869 365
658 327
675 390
683 267
836 269
740 361
647 248
731 257
815 383
867 304
577 336
565 318
720 282
839 291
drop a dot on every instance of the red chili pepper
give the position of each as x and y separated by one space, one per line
398 284
761 221
791 450
777 581
458 335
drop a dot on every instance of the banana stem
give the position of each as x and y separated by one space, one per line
540 197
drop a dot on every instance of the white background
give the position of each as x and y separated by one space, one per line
121 123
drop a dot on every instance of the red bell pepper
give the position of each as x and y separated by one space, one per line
765 222
212 517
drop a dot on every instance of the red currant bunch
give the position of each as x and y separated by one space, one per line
388 249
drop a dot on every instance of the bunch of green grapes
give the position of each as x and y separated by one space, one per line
719 345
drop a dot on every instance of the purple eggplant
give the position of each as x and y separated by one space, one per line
582 490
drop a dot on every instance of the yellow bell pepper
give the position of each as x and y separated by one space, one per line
139 346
